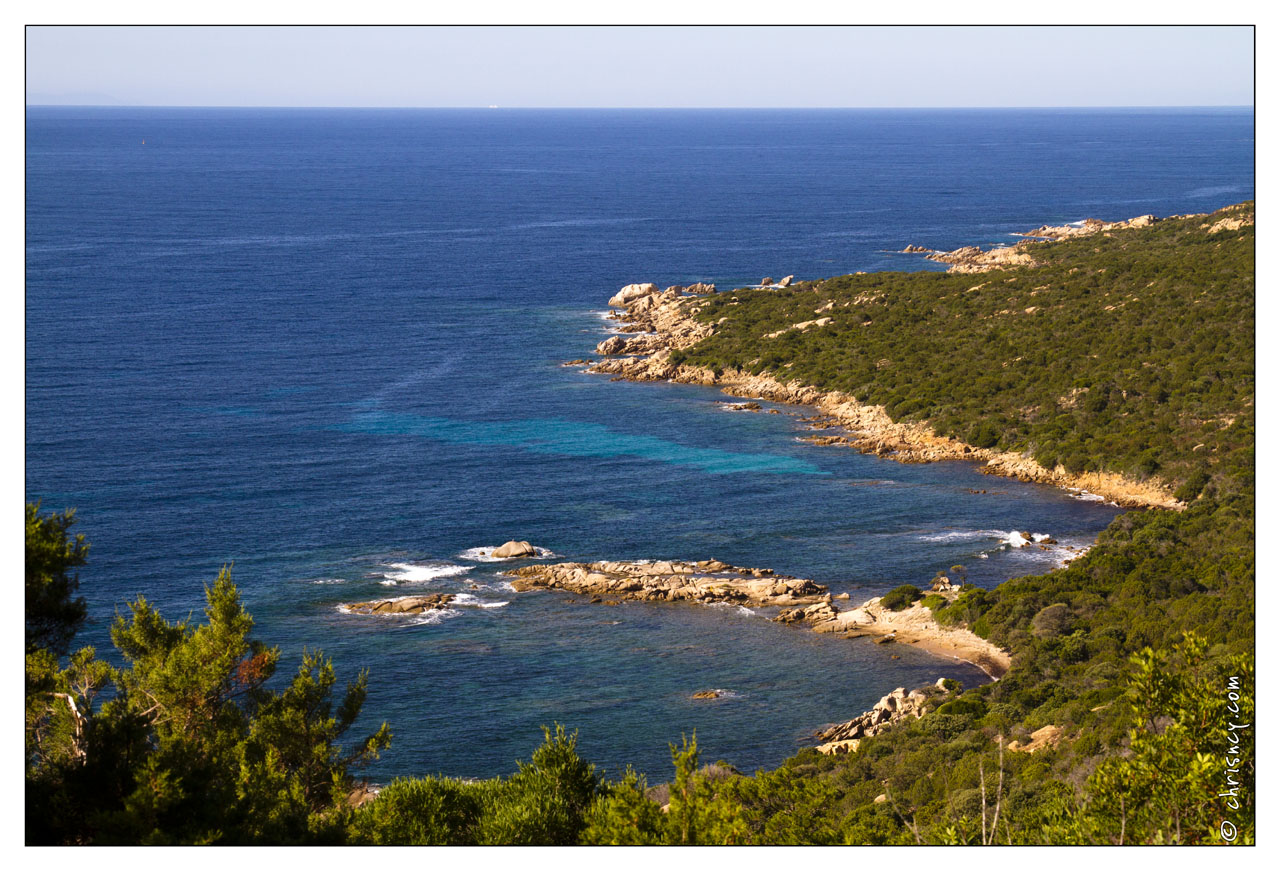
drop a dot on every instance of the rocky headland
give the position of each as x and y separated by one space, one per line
658 322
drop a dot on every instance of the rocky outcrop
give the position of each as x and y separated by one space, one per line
670 322
1089 227
896 706
705 582
1040 739
912 625
708 694
917 249
786 282
800 327
402 605
766 281
514 549
974 259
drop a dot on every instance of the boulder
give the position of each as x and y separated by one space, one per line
611 346
766 281
514 549
632 292
786 282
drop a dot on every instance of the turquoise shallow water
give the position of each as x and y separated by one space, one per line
326 346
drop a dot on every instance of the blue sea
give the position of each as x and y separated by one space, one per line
326 347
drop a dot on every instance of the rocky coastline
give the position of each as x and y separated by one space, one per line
913 625
658 322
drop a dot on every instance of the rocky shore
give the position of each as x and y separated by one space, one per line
660 322
893 708
913 625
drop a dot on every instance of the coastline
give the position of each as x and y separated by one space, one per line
656 323
871 430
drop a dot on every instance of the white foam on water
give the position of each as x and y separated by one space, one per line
735 608
328 581
1085 495
485 554
466 600
964 535
431 618
1015 539
411 573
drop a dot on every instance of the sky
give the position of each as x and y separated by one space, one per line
677 67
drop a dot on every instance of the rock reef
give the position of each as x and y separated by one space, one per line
705 582
402 605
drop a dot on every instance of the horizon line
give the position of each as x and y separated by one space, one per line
633 108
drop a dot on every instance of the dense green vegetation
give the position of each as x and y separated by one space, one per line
1138 359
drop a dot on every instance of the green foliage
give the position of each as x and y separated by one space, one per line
547 800
701 809
934 602
191 747
900 597
427 811
1052 621
53 616
1190 752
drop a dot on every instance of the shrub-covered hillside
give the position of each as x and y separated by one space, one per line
1129 352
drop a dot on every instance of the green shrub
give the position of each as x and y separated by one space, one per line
900 597
983 435
429 811
1192 487
1052 621
547 800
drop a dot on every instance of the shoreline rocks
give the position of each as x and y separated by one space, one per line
912 625
704 582
893 708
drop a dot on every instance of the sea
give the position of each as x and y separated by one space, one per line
326 348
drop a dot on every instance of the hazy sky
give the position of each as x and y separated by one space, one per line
643 66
